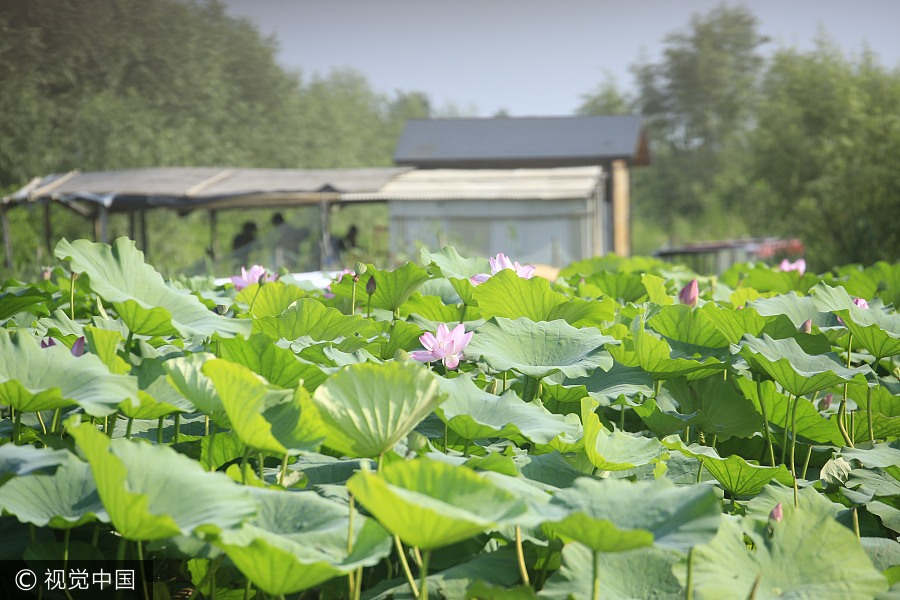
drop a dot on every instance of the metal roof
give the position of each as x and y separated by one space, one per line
521 141
489 184
207 187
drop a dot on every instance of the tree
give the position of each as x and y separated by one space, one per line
606 99
824 155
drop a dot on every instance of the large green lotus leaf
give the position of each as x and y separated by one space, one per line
271 299
185 374
430 504
64 499
765 279
718 407
392 288
733 323
584 313
475 414
431 308
368 407
152 492
34 378
798 372
656 289
877 455
309 317
279 366
625 287
655 356
613 262
808 498
874 329
258 422
682 323
105 344
143 300
798 309
811 425
451 264
615 450
808 555
22 460
539 349
632 575
737 476
299 539
14 302
882 427
510 296
607 386
616 515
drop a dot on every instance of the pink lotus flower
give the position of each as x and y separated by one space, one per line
807 326
78 347
48 342
446 346
777 513
861 302
340 277
690 293
798 265
500 262
256 274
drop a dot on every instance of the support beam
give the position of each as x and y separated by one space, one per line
325 223
48 227
213 218
100 225
131 225
142 218
7 241
621 208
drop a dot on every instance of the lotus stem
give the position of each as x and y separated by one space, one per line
765 431
622 417
159 431
244 460
140 552
868 414
787 426
806 462
793 448
504 382
842 411
260 463
41 421
57 416
206 425
128 428
66 536
856 521
405 564
423 593
520 555
120 551
255 296
351 584
72 279
176 436
247 586
17 427
595 588
417 556
369 307
755 587
353 297
689 584
284 464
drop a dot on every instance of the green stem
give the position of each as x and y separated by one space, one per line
793 449
128 428
689 584
868 414
140 553
369 307
176 435
842 411
622 417
504 382
806 461
260 463
17 427
247 587
244 460
423 593
284 464
765 431
206 425
212 438
595 590
520 555
95 536
787 426
856 521
755 587
405 564
57 417
351 585
159 431
353 297
120 552
66 537
41 421
72 279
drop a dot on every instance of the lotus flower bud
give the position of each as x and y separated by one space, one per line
370 285
825 402
807 326
48 342
861 302
46 273
777 513
689 293
78 347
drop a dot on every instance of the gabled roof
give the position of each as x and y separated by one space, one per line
509 142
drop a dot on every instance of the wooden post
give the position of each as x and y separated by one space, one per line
100 222
48 228
7 241
142 218
325 222
621 208
131 225
212 234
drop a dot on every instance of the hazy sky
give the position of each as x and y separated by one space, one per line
530 57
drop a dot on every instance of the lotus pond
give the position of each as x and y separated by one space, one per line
456 428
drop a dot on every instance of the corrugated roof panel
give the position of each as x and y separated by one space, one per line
591 139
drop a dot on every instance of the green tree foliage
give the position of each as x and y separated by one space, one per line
825 155
103 84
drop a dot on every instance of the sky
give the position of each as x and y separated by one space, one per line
530 57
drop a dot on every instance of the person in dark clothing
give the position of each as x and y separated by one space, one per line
246 237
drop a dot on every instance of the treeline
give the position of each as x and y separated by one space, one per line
792 143
110 84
